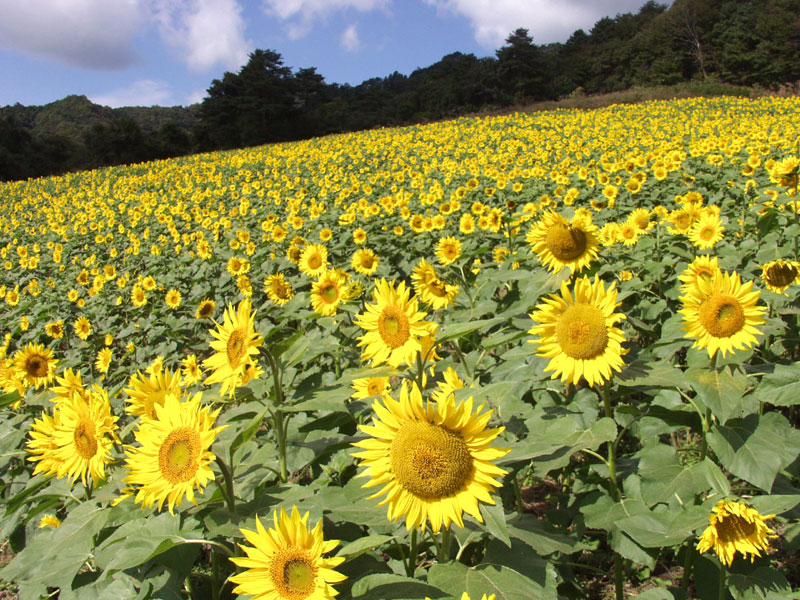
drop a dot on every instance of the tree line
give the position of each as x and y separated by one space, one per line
740 42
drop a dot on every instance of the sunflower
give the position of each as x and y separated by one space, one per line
448 249
393 325
628 233
706 232
174 454
778 275
138 296
69 382
55 329
82 327
77 440
702 267
735 527
681 220
205 309
578 332
721 313
641 219
191 372
328 292
286 563
433 462
49 521
236 341
314 260
35 365
278 289
366 387
173 298
146 390
103 361
560 243
365 261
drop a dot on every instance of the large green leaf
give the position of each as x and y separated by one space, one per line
388 586
779 388
541 536
665 479
493 578
722 391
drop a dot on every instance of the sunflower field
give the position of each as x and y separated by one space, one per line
551 355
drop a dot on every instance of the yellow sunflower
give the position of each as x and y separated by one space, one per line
314 260
173 298
433 462
278 289
721 312
55 329
35 365
76 441
365 261
735 527
394 326
560 243
138 296
191 372
103 361
286 563
702 267
236 341
366 387
205 309
578 332
778 275
173 454
328 292
706 232
448 249
628 233
146 390
82 327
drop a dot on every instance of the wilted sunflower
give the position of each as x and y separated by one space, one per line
314 260
35 365
145 391
278 289
286 563
448 249
393 324
706 232
76 441
205 309
365 261
578 332
236 341
735 527
82 327
778 275
328 292
721 313
173 453
560 243
433 462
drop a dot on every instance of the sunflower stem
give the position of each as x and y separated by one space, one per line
227 488
723 572
687 567
280 426
444 547
619 585
215 587
411 565
518 494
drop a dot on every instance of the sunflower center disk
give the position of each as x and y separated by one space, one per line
734 529
315 262
36 367
293 574
781 276
393 327
437 288
581 331
85 441
721 315
179 454
707 234
237 346
565 242
329 293
430 461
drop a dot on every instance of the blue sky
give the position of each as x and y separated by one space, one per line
167 52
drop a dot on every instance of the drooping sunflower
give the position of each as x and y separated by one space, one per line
561 243
82 327
205 309
328 292
314 260
35 365
778 275
706 232
721 313
278 289
735 527
365 261
286 562
76 441
578 332
394 325
173 455
702 267
146 390
236 341
433 462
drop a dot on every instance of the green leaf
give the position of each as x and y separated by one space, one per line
779 388
249 430
388 586
762 583
776 504
494 520
541 536
722 391
664 478
451 331
489 578
651 373
362 545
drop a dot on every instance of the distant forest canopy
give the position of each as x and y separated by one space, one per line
739 42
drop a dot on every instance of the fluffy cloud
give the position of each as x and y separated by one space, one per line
349 39
546 20
93 34
145 92
205 33
303 13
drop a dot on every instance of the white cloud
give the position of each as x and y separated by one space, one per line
306 12
205 33
144 92
349 39
93 34
546 20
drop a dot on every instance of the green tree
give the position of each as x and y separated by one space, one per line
521 68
